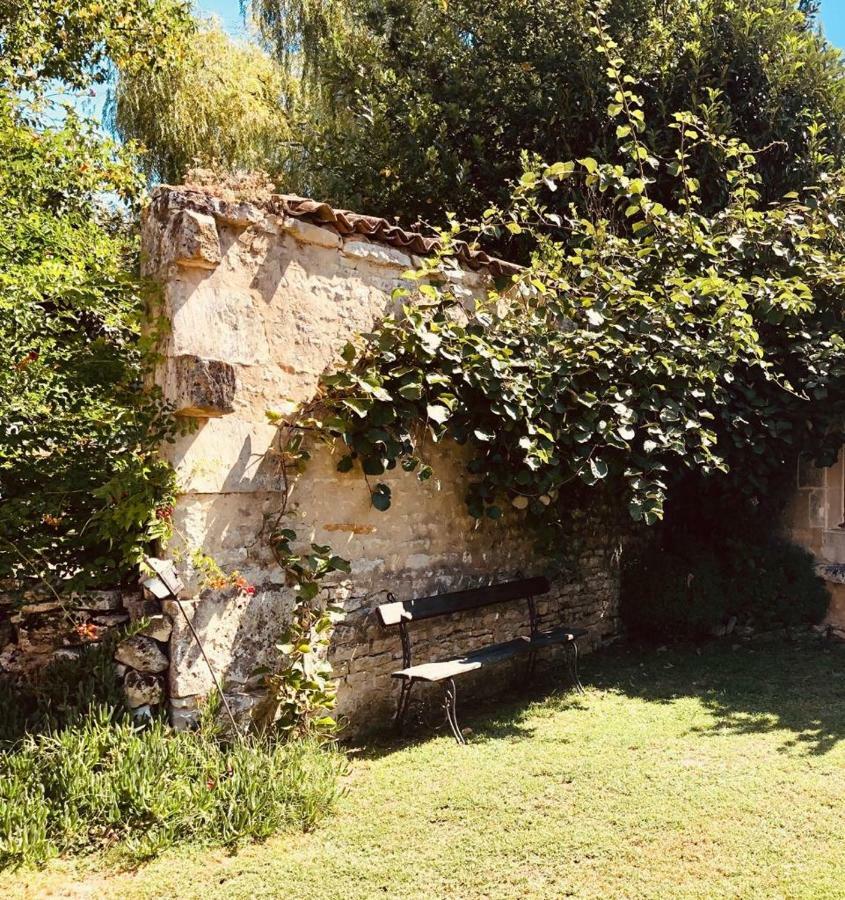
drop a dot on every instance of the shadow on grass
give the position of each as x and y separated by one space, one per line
506 717
792 687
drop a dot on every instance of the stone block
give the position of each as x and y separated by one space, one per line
44 606
306 233
158 628
142 689
142 714
141 653
226 456
238 633
98 601
238 214
140 607
216 316
111 620
193 240
184 719
378 254
40 636
202 388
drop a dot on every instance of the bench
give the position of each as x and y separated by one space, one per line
400 613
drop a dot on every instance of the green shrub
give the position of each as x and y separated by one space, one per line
85 777
778 585
674 591
666 594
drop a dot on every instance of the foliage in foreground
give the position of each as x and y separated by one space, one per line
79 477
104 782
80 481
679 774
88 778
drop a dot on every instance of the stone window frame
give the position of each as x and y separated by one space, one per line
820 497
835 495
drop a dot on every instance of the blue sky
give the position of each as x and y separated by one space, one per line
833 20
229 11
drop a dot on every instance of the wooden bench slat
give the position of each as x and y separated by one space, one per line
459 601
449 668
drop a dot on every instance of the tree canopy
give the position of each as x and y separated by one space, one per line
216 103
82 491
75 42
425 106
414 108
643 341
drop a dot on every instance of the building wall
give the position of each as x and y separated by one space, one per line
815 519
258 306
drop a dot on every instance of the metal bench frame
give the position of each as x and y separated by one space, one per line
402 613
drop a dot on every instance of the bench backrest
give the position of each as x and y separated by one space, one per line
398 612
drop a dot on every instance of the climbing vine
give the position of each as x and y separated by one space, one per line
300 696
647 337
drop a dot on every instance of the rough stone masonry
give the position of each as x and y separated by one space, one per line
260 297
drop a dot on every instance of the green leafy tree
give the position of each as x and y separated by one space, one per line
216 103
423 105
81 489
75 42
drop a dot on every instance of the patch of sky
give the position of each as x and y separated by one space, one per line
832 15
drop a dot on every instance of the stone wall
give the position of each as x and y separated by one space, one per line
815 519
260 303
38 628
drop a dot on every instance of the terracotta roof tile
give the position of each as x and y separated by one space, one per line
385 232
342 221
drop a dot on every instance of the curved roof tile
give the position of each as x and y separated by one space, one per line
385 232
342 221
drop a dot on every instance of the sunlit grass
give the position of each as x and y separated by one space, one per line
678 774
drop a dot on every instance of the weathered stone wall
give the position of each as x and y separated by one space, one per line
37 628
815 519
259 305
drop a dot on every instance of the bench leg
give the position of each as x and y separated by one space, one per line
450 696
404 701
532 665
570 652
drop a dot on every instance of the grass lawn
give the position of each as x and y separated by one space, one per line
679 774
